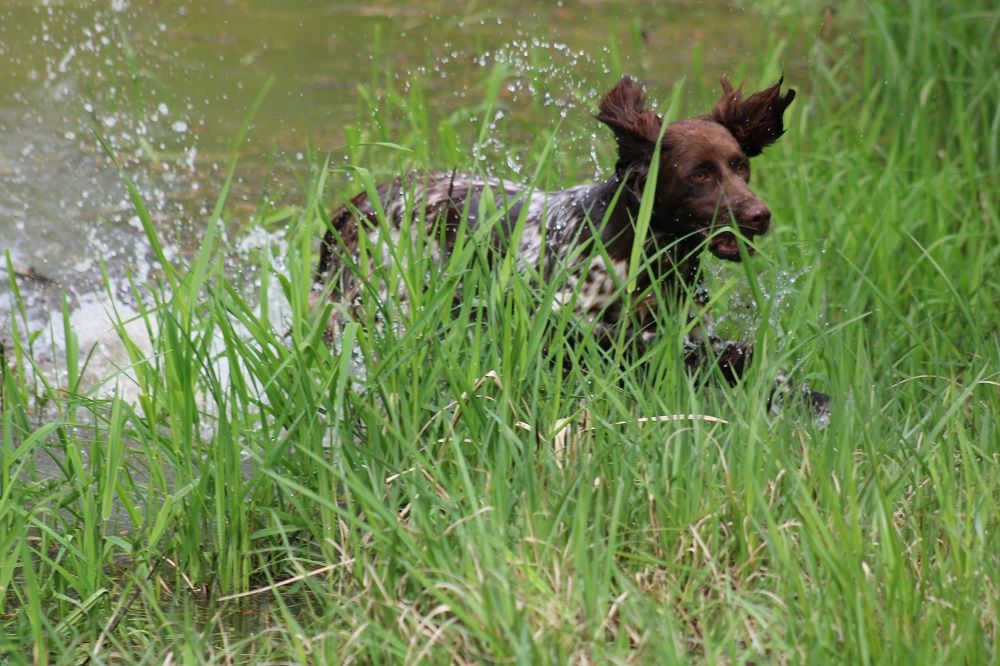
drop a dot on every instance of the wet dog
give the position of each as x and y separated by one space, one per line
700 198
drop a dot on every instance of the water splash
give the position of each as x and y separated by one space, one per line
741 316
554 86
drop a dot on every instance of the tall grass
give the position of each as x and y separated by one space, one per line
448 492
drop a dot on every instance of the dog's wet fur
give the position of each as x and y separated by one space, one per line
702 196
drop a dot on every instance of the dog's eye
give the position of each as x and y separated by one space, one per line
700 176
740 167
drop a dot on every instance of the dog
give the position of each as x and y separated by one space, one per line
700 199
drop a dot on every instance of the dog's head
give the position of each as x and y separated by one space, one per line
703 182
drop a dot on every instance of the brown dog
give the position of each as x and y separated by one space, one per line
702 196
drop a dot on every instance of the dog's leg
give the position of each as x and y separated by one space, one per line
733 359
784 389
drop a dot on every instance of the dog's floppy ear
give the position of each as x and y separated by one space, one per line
636 128
755 122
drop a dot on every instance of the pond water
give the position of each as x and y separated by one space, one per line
168 84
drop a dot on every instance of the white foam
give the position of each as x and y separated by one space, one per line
99 322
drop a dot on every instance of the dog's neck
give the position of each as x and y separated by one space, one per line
613 206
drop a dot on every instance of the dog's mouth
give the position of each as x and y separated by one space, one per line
725 245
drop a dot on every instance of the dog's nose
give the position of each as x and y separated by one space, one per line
758 217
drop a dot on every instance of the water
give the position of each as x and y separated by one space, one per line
167 85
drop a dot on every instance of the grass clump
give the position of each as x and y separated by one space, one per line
449 494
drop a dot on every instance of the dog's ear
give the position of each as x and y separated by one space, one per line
755 122
636 128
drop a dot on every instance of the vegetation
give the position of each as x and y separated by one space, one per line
448 493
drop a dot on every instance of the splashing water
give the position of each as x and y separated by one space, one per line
741 316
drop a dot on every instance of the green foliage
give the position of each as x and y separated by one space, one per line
440 490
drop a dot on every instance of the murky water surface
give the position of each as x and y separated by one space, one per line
168 84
